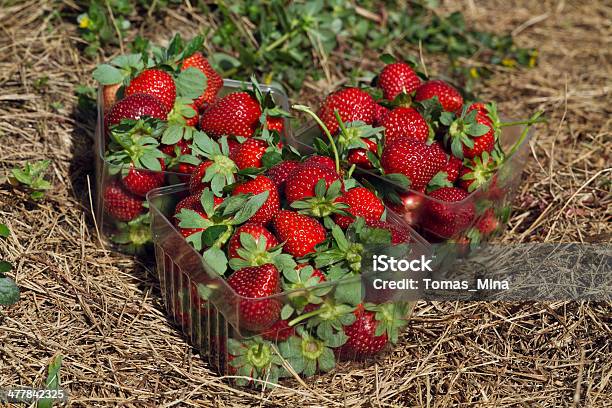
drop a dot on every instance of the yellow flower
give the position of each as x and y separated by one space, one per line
84 21
268 78
509 62
474 72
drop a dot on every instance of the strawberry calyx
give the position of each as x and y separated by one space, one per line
328 320
119 69
177 128
481 168
352 134
324 202
254 359
462 130
134 143
134 234
304 288
221 172
306 354
391 318
254 253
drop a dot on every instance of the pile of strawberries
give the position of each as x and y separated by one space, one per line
273 218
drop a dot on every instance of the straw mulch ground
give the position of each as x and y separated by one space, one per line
102 312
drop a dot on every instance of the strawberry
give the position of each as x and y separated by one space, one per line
135 107
399 233
476 172
379 113
414 159
275 123
321 160
279 331
450 99
120 203
280 172
302 181
249 153
214 82
397 78
236 114
195 181
154 82
186 232
251 359
300 233
452 168
179 148
191 202
409 206
256 231
470 134
252 284
217 170
140 182
272 204
487 223
359 157
373 328
352 104
403 121
444 218
234 146
362 203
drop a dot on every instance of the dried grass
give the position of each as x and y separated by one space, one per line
102 311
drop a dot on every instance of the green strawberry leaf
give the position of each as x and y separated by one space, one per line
191 83
5 266
211 234
4 231
250 207
9 291
107 74
477 129
398 179
215 259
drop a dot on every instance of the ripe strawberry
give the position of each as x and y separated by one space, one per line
450 99
476 172
120 203
270 207
403 121
135 107
487 223
252 284
409 207
156 83
234 146
484 143
195 181
300 233
414 159
315 272
324 161
362 340
399 233
452 168
352 104
256 231
186 232
275 123
362 203
214 82
398 78
191 202
302 181
279 331
249 153
379 113
181 147
195 119
236 114
279 173
359 157
140 182
444 218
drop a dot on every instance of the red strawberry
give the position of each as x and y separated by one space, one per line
302 181
276 123
252 284
480 107
192 121
321 160
315 272
190 231
195 182
399 233
403 121
450 99
397 78
279 331
156 83
359 157
249 153
484 143
362 340
140 182
352 104
300 233
414 159
442 216
234 146
135 107
182 146
409 207
279 173
487 223
452 168
236 114
256 231
214 82
379 113
270 207
191 202
362 203
120 203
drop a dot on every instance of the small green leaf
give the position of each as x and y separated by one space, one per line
107 74
5 266
4 231
191 83
9 291
215 259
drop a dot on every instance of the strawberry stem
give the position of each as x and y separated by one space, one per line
306 109
533 120
305 316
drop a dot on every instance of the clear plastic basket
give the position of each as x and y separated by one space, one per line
134 236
